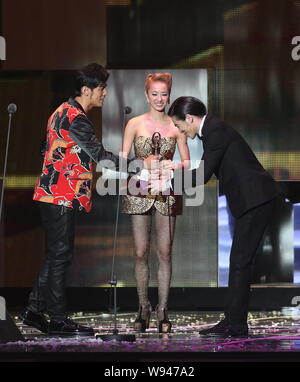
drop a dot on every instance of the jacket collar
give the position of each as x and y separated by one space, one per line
76 104
206 124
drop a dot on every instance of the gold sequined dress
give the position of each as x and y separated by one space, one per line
170 205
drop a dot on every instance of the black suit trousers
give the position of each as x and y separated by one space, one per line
248 232
49 294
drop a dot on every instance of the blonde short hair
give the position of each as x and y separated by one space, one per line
162 77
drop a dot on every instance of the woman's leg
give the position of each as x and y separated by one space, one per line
165 226
141 228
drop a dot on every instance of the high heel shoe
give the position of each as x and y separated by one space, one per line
141 324
164 325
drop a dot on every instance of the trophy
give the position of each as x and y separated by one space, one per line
155 147
156 143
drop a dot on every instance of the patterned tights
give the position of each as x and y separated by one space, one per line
165 226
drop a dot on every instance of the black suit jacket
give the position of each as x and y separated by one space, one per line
242 178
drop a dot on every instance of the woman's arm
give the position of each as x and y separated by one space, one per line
129 135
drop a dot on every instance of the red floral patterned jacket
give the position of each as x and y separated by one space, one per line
71 147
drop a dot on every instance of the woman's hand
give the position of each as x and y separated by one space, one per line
167 165
158 185
151 162
159 181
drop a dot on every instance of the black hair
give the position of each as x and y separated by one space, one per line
91 76
187 105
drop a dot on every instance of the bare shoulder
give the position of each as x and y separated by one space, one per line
136 122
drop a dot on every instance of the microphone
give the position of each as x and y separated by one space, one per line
127 110
11 108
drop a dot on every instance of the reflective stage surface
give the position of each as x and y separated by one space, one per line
270 332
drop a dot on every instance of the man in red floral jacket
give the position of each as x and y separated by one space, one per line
63 188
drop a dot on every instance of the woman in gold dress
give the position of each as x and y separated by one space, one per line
139 132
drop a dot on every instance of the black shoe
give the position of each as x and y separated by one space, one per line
223 329
68 327
164 325
142 321
36 320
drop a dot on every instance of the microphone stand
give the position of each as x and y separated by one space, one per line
8 329
113 279
12 108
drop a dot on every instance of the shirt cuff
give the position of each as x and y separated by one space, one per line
169 182
144 176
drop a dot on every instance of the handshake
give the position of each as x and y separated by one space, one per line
157 174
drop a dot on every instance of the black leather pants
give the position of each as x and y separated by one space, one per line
49 294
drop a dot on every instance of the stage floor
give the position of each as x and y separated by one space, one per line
270 333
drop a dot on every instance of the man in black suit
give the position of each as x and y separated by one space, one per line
250 193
